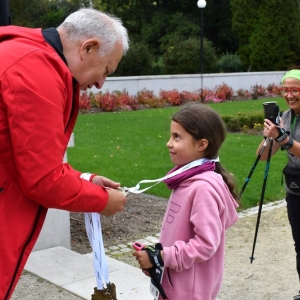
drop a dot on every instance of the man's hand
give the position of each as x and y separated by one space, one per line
103 181
116 202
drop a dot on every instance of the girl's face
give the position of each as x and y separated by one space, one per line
182 146
292 96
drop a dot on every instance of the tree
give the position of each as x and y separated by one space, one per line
137 61
267 39
159 22
244 18
183 57
43 13
274 42
218 25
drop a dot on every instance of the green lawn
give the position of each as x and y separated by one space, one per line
130 146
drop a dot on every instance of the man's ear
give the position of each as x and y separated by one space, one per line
89 46
202 144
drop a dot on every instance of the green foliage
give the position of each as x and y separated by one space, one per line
179 27
218 25
240 120
137 61
272 46
230 63
183 57
161 23
267 41
158 66
233 124
43 13
244 18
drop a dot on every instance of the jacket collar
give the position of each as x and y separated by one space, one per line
52 37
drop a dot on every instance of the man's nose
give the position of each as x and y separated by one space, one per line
100 83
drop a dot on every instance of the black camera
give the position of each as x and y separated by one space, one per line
271 110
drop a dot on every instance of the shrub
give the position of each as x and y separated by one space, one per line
172 97
186 96
240 92
233 124
224 92
137 61
230 63
183 57
84 102
148 99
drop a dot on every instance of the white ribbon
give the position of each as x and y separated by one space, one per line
94 233
195 163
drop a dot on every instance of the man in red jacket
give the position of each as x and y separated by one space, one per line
41 73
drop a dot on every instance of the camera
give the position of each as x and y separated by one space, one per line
271 111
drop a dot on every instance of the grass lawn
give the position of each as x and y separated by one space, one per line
130 146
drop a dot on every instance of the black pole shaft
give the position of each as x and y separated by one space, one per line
4 13
262 198
202 62
253 168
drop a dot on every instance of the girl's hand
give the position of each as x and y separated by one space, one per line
145 271
143 259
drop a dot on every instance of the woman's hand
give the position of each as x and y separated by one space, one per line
271 131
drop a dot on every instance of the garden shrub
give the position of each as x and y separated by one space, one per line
244 119
233 124
137 61
171 97
229 63
223 91
183 57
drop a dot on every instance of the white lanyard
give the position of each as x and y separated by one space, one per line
94 233
195 163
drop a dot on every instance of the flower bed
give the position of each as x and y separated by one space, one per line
122 101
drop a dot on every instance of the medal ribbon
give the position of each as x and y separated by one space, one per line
195 163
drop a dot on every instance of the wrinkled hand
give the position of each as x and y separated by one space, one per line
143 259
116 202
103 181
271 130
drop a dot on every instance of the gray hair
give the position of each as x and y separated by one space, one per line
89 23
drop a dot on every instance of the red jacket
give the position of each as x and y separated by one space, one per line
38 110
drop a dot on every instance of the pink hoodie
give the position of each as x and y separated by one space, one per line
193 236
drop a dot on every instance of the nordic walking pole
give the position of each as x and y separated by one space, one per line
253 168
262 197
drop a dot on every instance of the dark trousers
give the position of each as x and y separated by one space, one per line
293 210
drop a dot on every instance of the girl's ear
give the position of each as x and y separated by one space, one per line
202 145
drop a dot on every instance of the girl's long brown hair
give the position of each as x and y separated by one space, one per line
202 122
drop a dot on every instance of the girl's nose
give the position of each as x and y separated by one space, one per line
169 145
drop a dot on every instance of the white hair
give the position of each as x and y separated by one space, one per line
89 23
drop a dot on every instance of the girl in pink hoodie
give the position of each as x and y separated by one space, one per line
201 207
